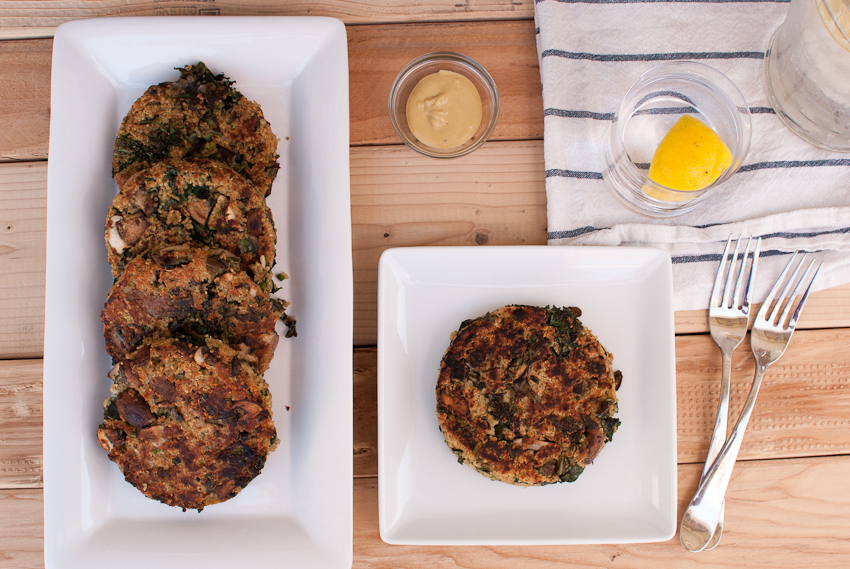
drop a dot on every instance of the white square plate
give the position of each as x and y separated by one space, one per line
298 511
627 495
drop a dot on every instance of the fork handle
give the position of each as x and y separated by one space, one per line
703 513
718 436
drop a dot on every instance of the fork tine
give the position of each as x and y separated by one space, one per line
797 289
715 292
736 297
765 307
748 293
783 298
793 322
727 291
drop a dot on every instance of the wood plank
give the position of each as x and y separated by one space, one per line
785 513
493 196
21 413
803 408
23 234
376 55
400 199
365 412
819 314
39 18
507 50
22 529
25 92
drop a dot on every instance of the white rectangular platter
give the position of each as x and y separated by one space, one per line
298 511
628 494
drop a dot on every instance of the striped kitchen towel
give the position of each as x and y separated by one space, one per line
793 195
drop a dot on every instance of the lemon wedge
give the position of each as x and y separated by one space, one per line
690 157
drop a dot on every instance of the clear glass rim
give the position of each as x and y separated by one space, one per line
473 67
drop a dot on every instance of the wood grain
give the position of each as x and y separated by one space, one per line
23 233
803 407
789 513
21 529
38 18
21 412
826 312
507 51
365 412
25 92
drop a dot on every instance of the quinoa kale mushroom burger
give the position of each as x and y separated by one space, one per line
199 115
191 201
527 395
189 293
187 425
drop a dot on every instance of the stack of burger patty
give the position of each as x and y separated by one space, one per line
189 321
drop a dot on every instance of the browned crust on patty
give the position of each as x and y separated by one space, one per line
201 202
189 293
199 115
526 395
189 426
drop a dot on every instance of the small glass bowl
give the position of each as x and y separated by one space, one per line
650 108
430 63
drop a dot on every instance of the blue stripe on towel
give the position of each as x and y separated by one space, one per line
558 173
578 114
568 114
571 233
574 174
714 257
674 56
795 164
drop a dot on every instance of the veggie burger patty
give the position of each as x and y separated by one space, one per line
191 292
191 201
199 115
527 395
188 426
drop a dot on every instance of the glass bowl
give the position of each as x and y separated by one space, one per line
430 63
650 108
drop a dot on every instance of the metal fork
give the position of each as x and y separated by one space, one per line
770 336
728 317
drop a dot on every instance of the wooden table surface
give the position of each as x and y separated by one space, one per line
787 505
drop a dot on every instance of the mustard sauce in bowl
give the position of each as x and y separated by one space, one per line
444 109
